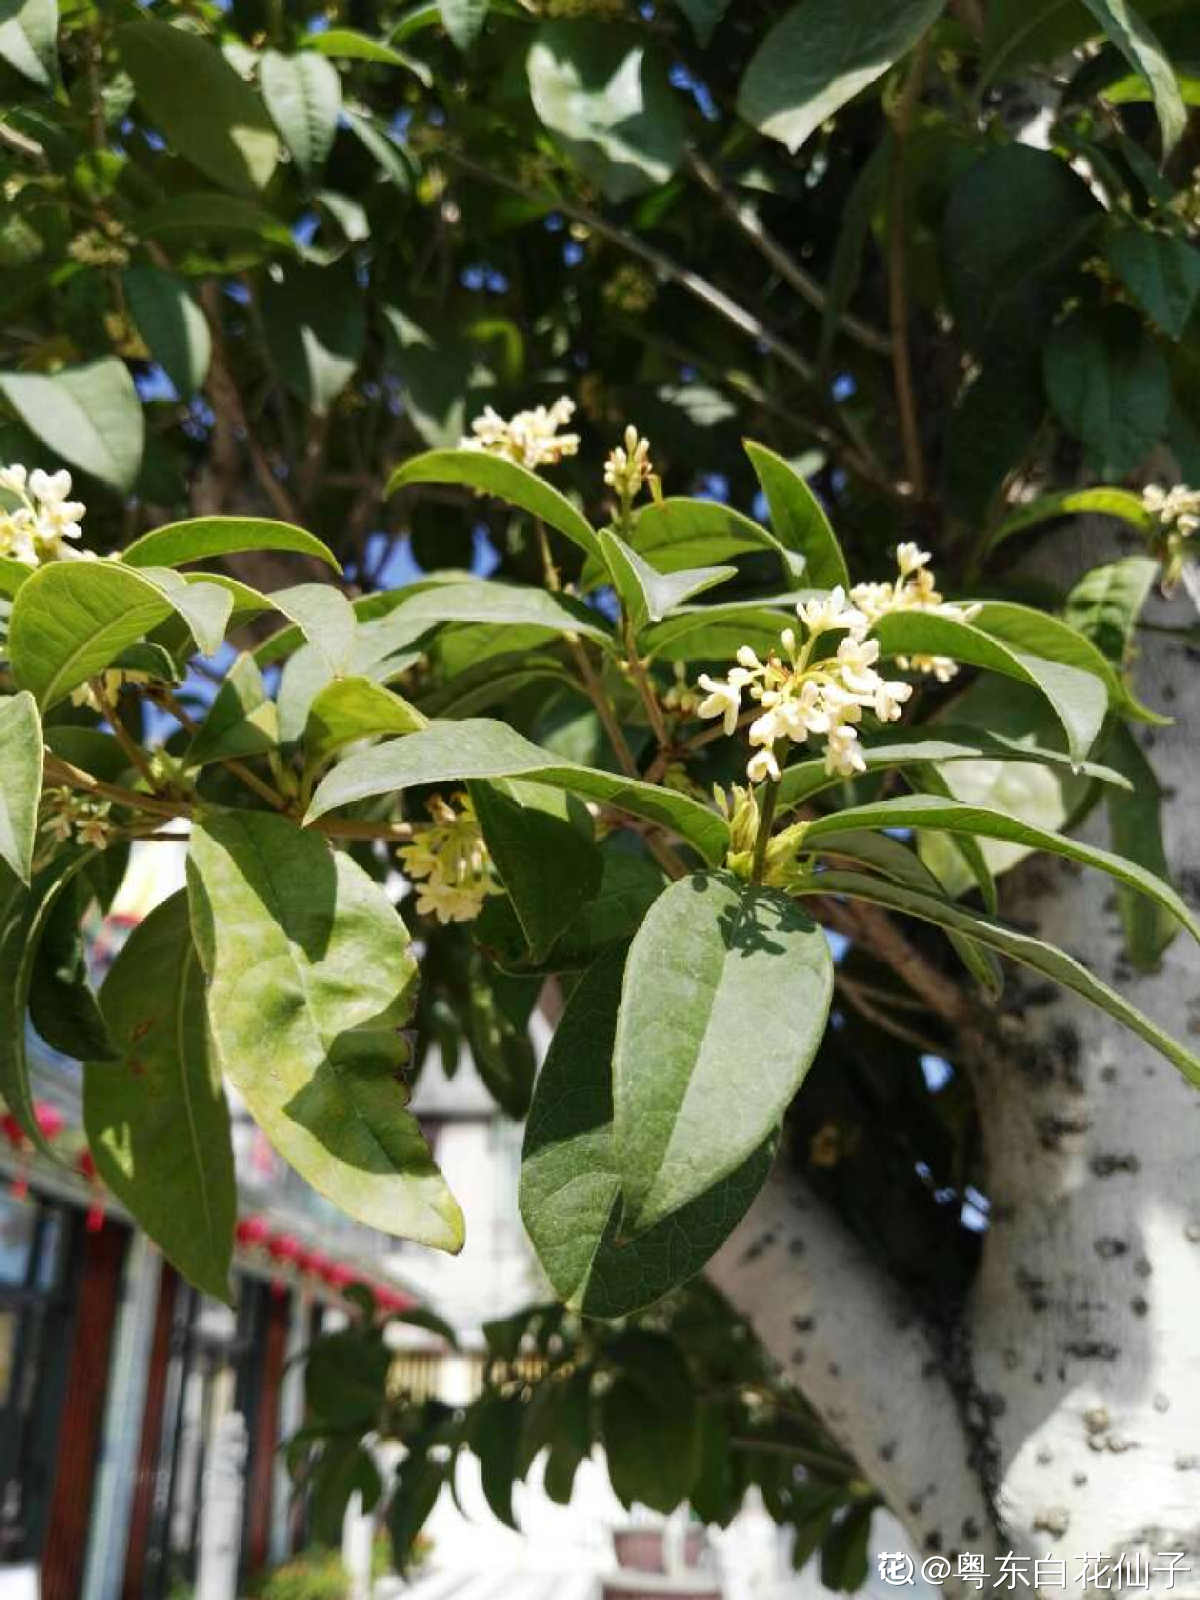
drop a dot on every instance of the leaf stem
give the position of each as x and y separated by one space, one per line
766 821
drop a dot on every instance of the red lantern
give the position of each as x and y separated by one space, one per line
284 1247
251 1231
49 1119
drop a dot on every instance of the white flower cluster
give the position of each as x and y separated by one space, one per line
449 863
629 467
34 530
1177 509
913 590
800 695
531 438
68 815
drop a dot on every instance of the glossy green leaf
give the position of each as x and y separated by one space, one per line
13 574
605 96
543 850
303 95
206 215
156 1118
310 977
326 619
242 720
1106 605
62 1003
510 604
1077 697
202 538
172 324
1106 501
955 816
1161 272
1048 638
392 159
89 415
1127 30
346 44
650 1422
1135 831
798 520
1108 383
716 632
449 752
73 618
820 54
206 111
345 1468
674 533
316 330
1023 947
944 742
462 20
506 480
845 1553
24 913
726 993
29 39
345 1378
20 781
647 595
423 1317
570 1192
355 708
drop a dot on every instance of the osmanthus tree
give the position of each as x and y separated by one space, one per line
939 260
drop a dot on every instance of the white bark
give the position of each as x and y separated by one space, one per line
845 1336
1081 1361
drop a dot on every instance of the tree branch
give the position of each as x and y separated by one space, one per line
906 404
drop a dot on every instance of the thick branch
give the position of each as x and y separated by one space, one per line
846 1337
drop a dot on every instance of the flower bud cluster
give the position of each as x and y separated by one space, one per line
1177 510
530 438
34 530
68 815
913 590
449 863
629 468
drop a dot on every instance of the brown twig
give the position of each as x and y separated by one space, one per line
906 404
876 1014
62 771
111 714
238 768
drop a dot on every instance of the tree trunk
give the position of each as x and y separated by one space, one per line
1070 1423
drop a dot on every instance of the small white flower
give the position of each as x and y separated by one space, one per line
724 700
530 438
629 467
763 765
909 558
843 754
50 486
834 611
13 478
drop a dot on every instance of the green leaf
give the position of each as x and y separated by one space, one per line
346 44
704 15
201 538
715 633
1135 832
1078 698
714 958
73 618
171 323
242 720
20 781
1161 272
1023 947
89 415
462 20
1108 383
210 216
608 101
1017 222
955 816
345 1468
419 1480
1146 56
798 520
676 533
647 595
24 913
345 1378
207 112
422 1317
966 851
156 1118
325 617
303 94
501 603
354 708
392 159
543 851
495 1437
570 1192
13 574
448 752
944 742
650 1422
844 1551
29 39
1105 501
310 977
315 328
1106 604
506 480
1047 637
62 1003
822 53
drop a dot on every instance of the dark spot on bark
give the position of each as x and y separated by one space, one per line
1108 1074
1103 1166
933 1539
887 1452
1052 1130
1139 1305
929 1369
970 1528
1079 1479
803 1324
1011 1360
796 1247
1039 1377
798 1358
914 1506
1108 1248
1092 1350
1142 1267
834 1370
